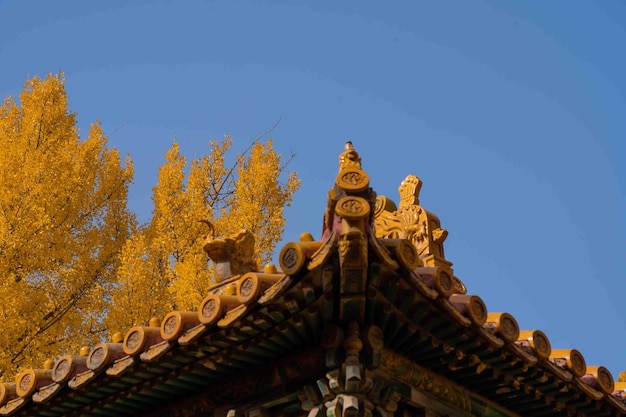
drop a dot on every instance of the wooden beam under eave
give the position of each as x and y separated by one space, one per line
270 385
431 390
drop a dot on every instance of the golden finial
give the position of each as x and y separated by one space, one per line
154 322
349 158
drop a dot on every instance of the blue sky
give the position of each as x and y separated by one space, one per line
512 113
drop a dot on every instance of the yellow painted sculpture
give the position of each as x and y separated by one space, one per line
233 255
412 222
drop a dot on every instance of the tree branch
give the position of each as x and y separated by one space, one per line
236 164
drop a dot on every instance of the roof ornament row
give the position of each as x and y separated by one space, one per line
421 227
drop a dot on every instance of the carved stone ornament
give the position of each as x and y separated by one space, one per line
504 325
171 325
26 382
575 361
349 158
138 338
471 306
291 258
134 339
605 380
248 287
62 369
409 191
210 309
536 341
232 255
353 180
352 208
411 221
97 357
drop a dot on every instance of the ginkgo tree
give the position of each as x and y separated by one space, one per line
63 222
163 266
75 266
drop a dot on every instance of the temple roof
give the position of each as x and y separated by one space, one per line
372 310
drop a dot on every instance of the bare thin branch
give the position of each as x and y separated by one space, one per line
117 129
236 164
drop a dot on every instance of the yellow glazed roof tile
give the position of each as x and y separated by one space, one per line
377 264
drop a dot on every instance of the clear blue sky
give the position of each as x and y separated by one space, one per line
512 113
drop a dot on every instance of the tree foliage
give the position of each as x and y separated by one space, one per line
74 263
163 266
63 221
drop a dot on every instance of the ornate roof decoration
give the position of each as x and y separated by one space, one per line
233 255
368 321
